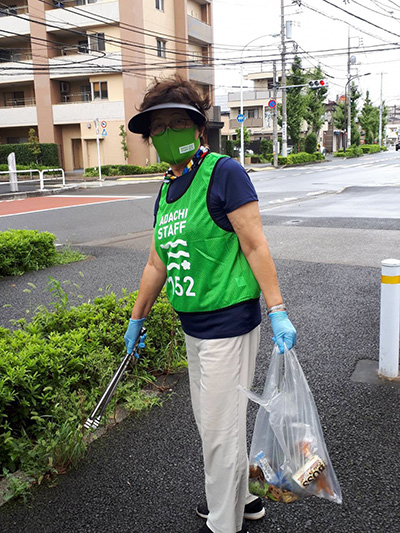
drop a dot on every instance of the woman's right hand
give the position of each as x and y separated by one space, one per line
132 333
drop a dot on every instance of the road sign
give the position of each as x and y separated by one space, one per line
103 124
104 133
240 118
272 104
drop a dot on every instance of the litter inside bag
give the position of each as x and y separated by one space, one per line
288 457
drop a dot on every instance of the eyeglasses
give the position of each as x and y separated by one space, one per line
177 124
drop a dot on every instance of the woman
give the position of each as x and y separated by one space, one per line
210 249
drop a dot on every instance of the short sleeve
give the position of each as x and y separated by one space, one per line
230 188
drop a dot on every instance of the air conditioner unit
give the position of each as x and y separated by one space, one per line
64 87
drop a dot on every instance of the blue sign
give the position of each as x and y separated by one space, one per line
272 104
104 133
240 118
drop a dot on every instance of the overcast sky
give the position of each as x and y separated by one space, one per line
237 22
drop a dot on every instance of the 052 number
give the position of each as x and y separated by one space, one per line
178 289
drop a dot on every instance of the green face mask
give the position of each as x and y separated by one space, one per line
175 147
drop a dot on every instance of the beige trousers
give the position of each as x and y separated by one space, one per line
216 368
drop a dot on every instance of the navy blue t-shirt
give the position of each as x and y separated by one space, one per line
230 188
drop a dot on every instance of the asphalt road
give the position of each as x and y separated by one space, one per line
145 476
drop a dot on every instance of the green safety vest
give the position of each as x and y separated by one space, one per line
206 268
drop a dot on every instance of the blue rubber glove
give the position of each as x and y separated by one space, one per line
132 333
284 331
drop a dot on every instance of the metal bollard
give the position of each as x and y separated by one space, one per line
389 341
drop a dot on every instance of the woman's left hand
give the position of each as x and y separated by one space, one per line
284 331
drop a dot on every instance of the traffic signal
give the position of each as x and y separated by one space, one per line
317 84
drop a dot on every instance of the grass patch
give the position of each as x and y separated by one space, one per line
54 368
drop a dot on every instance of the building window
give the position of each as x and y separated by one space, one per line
14 99
97 42
86 93
100 90
160 5
161 48
83 47
251 113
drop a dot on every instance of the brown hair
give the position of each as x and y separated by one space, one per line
176 90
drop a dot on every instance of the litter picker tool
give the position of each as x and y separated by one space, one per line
94 419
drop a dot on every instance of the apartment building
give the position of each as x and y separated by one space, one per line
258 114
66 63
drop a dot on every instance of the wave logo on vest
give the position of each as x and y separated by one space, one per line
175 281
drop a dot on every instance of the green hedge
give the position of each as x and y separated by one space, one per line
24 250
54 369
126 170
48 156
353 151
370 148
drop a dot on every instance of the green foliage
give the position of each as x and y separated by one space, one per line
353 151
340 114
25 250
123 134
230 148
295 101
369 120
54 369
34 145
301 157
246 137
370 148
311 143
48 156
266 147
126 170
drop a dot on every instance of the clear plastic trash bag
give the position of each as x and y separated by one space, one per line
288 457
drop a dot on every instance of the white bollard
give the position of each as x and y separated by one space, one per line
12 167
389 342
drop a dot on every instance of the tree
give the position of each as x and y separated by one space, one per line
311 143
340 115
315 108
125 149
34 145
369 120
246 137
295 102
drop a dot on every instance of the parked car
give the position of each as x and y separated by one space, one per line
397 146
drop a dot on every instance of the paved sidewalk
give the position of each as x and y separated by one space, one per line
145 476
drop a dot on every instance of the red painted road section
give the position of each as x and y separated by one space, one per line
44 203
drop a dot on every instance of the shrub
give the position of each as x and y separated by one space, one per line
301 157
282 160
310 145
25 250
126 170
54 369
266 147
47 157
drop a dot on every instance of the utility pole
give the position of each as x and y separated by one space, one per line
96 123
275 119
283 83
348 143
380 113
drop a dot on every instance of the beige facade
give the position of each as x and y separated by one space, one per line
74 61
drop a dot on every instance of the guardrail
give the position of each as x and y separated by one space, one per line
14 182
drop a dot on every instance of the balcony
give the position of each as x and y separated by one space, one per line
18 72
261 96
73 62
21 115
79 16
249 123
199 31
201 73
10 24
75 112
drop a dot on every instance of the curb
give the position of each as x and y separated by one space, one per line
32 194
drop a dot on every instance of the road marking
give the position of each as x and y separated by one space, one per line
53 203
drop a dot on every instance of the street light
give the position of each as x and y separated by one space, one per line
347 92
241 93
